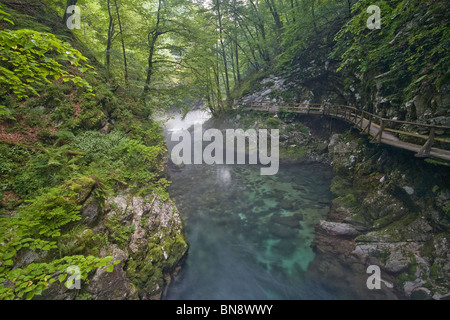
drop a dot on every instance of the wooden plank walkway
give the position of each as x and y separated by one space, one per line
382 130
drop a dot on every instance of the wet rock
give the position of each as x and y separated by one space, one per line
339 229
409 190
410 286
149 257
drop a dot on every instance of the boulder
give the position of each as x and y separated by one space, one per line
338 228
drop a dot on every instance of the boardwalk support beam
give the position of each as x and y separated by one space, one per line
425 151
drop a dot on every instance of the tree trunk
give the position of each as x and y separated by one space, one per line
224 57
109 39
123 44
275 15
236 49
293 11
68 4
150 65
313 13
152 42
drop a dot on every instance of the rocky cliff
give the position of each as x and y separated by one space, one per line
390 210
145 233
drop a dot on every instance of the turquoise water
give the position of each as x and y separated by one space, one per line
249 235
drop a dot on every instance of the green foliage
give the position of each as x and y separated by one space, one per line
136 161
36 277
30 59
47 181
49 212
37 227
5 16
411 47
118 232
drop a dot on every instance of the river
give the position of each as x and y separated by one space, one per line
249 234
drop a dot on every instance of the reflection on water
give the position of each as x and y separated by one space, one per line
249 234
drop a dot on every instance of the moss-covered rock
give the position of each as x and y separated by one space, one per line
157 245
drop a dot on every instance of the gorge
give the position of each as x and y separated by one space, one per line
91 179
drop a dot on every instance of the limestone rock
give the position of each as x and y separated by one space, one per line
339 229
90 211
113 285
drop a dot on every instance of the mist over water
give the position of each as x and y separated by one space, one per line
249 235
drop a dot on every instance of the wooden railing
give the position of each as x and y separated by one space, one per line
383 130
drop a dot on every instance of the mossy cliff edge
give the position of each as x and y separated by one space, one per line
83 194
144 233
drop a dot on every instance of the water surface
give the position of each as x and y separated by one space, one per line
249 235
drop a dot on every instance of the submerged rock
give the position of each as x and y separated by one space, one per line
292 221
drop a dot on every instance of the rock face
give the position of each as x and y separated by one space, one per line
157 245
385 214
338 229
145 233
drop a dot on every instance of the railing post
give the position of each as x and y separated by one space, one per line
425 150
381 130
362 119
379 135
367 129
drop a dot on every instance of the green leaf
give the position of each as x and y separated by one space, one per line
9 255
8 262
110 268
30 295
62 277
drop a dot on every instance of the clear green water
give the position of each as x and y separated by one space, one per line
249 235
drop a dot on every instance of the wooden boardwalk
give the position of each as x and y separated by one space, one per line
426 140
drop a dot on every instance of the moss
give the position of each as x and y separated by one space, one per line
144 275
436 272
79 240
386 220
83 296
162 254
82 187
398 230
118 231
272 123
427 250
382 256
341 186
349 200
294 153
